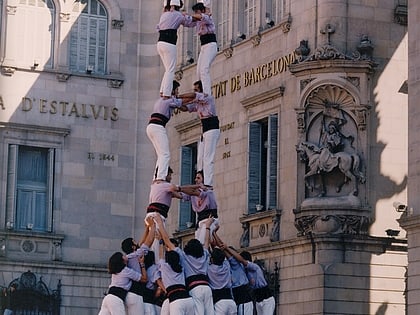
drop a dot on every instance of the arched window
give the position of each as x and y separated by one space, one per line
30 34
88 37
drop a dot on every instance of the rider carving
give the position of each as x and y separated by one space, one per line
334 151
331 143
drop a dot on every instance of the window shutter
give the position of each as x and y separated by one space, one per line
50 190
101 53
186 175
24 208
223 23
272 162
11 183
254 166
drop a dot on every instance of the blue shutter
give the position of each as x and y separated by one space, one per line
50 190
186 175
254 166
272 162
11 183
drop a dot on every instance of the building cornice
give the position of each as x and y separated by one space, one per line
36 128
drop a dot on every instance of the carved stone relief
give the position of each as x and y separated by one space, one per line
332 155
331 143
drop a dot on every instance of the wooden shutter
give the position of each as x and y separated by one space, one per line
272 162
254 166
11 183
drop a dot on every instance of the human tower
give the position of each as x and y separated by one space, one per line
206 277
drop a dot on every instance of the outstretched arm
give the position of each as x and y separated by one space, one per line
209 221
151 234
163 233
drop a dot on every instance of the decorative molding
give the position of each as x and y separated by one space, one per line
64 17
300 119
286 23
244 240
355 81
228 52
179 75
188 125
303 50
333 224
364 49
304 83
261 226
361 114
401 13
11 10
263 97
37 245
117 24
8 71
62 77
62 132
115 83
256 40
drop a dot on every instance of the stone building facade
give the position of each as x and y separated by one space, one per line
310 159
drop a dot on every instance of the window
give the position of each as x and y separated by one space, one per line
188 170
277 10
262 164
29 187
188 46
222 22
250 17
30 34
88 37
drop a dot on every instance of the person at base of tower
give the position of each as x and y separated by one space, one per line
208 51
240 284
220 280
156 131
264 299
154 292
194 259
206 109
173 279
121 278
135 251
203 203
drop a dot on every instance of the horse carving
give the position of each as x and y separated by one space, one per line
320 161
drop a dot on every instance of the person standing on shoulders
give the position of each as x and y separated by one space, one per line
208 51
170 20
156 131
206 110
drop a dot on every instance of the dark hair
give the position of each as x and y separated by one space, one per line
199 6
174 241
149 259
201 173
168 5
173 260
116 263
194 248
127 245
170 171
200 85
175 85
217 256
246 255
